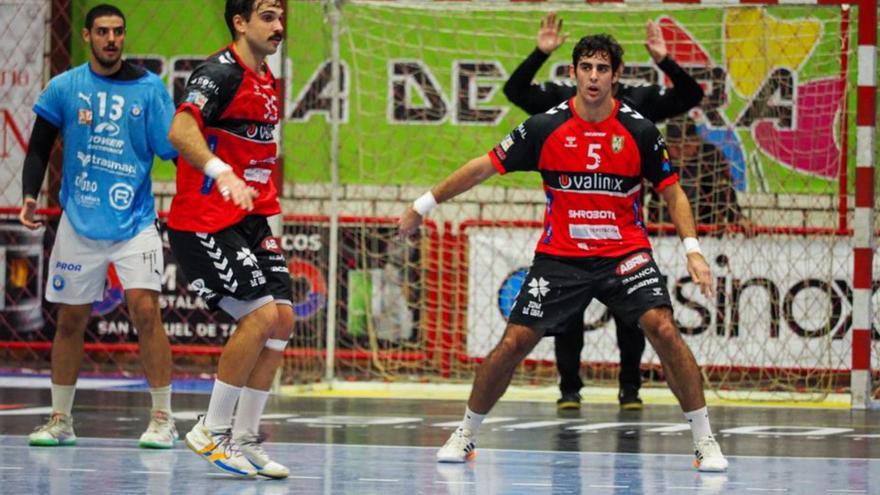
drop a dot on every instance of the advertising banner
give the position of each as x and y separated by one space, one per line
776 304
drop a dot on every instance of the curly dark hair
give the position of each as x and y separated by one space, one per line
598 43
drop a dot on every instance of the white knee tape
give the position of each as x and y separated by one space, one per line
276 344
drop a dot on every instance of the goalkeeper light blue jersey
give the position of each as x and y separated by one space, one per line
111 130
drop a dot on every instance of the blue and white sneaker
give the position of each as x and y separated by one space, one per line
219 450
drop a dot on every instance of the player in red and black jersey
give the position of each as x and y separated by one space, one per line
592 153
218 231
655 103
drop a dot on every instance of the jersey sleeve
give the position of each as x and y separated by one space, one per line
655 159
50 104
159 117
518 151
203 95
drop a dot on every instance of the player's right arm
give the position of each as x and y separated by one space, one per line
538 98
186 136
519 150
467 176
35 163
203 103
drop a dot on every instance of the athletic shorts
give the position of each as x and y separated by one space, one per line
557 289
237 269
78 265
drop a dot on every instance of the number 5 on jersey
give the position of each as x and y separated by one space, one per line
594 156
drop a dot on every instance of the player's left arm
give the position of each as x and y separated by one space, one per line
159 117
657 169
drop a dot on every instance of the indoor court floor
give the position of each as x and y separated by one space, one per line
387 446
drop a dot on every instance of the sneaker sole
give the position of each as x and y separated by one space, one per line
234 472
632 406
471 456
568 406
52 443
273 476
704 469
155 445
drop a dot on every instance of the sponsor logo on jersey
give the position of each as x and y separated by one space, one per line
521 129
591 182
499 152
595 134
108 128
507 142
197 98
84 116
257 174
595 232
271 244
121 196
632 263
84 158
260 132
617 143
592 214
570 142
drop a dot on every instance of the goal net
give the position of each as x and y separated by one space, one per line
767 159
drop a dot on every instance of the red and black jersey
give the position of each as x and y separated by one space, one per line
237 110
592 174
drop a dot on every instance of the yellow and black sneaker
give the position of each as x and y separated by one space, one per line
569 401
629 399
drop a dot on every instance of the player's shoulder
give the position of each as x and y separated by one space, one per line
71 77
222 62
637 124
552 118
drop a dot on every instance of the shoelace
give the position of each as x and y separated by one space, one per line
255 443
53 421
224 441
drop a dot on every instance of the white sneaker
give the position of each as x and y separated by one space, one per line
252 448
708 456
161 432
460 447
56 432
218 449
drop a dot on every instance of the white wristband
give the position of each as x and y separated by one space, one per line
424 204
691 245
215 166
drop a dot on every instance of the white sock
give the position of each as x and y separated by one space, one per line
699 421
161 398
223 399
247 415
472 421
62 398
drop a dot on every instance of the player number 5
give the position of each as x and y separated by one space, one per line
592 152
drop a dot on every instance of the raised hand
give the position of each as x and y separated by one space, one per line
654 42
549 37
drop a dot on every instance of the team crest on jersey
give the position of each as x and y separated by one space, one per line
616 143
136 111
84 116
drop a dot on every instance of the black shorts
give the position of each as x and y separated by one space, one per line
243 261
557 289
